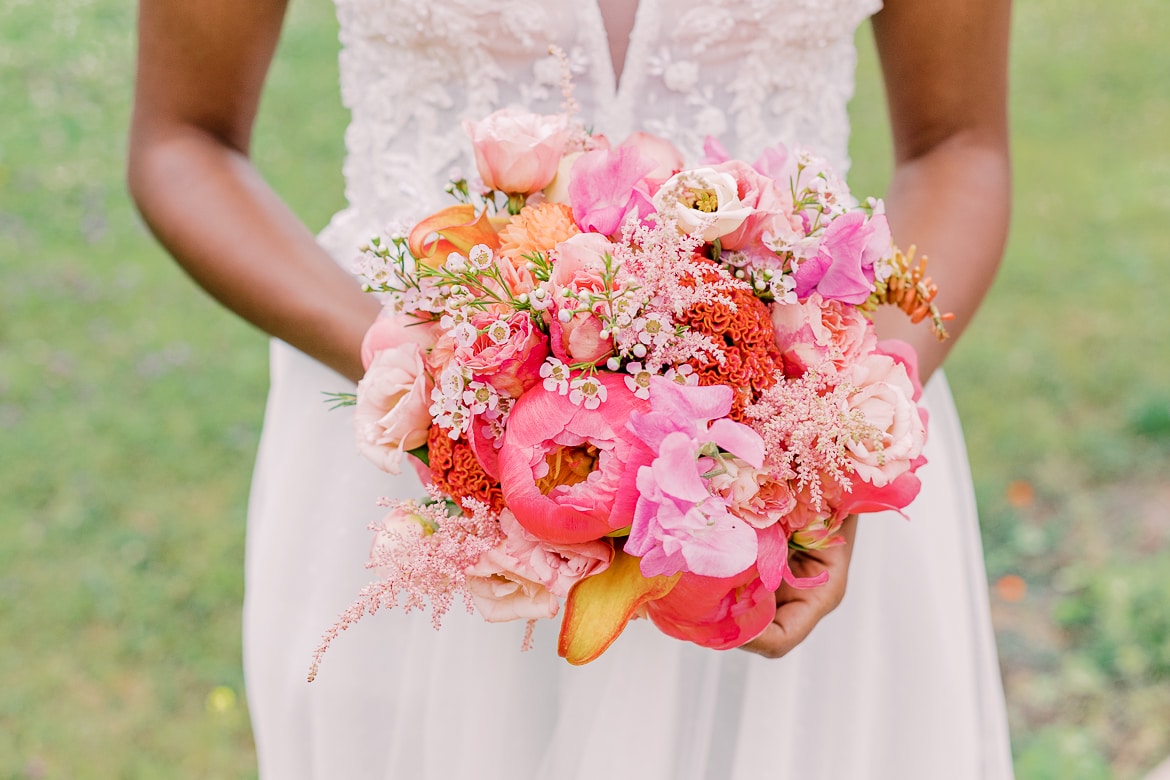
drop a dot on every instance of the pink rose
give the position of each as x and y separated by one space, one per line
502 593
507 356
517 152
842 269
566 470
885 397
772 216
557 567
391 415
578 266
703 202
819 331
393 330
607 186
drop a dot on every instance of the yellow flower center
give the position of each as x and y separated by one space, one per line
567 466
706 201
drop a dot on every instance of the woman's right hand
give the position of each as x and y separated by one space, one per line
201 69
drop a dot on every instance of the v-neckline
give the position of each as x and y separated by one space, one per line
619 77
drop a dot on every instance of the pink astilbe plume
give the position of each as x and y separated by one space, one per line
807 427
423 555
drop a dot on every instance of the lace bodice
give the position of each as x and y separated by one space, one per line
751 72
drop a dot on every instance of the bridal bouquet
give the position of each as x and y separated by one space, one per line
632 386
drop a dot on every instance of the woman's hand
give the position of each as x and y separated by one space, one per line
799 610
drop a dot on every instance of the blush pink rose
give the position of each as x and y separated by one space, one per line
885 397
567 472
391 415
502 590
751 493
558 567
816 331
392 330
517 152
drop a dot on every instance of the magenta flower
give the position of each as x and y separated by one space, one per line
720 613
608 185
842 269
567 471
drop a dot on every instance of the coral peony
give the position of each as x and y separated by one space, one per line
567 472
720 613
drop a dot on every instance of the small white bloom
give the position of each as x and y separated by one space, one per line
683 375
556 376
480 256
480 397
456 263
587 391
639 380
499 331
464 334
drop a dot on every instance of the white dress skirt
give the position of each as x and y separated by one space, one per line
900 682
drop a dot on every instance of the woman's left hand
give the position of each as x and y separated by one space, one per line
799 610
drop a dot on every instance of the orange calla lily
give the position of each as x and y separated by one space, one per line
599 607
454 229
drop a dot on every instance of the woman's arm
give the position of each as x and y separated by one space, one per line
201 67
945 67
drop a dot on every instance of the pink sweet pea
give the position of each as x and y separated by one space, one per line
720 613
679 525
842 269
608 185
664 153
517 152
567 472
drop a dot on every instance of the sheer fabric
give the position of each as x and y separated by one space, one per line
900 682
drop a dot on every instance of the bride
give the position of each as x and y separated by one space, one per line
898 681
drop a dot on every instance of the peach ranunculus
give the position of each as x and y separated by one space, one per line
391 414
819 331
392 330
517 152
751 493
579 268
885 397
537 228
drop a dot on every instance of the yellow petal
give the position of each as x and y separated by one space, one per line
599 607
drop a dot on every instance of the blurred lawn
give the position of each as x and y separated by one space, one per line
130 405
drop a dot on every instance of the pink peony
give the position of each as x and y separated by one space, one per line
391 415
517 152
607 186
842 269
818 331
885 397
392 330
567 472
720 613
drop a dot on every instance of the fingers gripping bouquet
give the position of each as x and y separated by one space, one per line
633 387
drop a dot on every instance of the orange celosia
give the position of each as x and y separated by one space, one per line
751 357
455 470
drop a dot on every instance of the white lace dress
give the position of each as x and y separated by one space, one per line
900 682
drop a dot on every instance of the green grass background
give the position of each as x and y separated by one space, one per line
130 404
